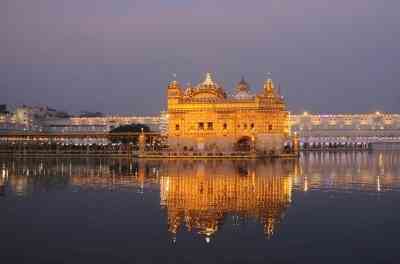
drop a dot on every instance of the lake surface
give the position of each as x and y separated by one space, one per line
323 208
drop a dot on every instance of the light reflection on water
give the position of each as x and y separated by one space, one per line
202 196
314 171
377 172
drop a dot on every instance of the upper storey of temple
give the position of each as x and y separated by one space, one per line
209 91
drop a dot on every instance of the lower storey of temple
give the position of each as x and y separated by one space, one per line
260 145
227 144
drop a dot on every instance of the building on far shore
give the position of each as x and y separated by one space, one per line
205 119
28 118
377 121
366 130
98 124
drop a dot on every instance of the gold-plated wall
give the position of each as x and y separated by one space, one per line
205 118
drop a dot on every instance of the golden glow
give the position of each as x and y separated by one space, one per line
198 196
316 120
378 184
206 112
201 193
305 184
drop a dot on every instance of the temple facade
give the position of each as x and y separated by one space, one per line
205 119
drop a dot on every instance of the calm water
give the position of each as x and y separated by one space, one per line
324 208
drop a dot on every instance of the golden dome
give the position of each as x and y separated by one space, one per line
242 90
208 89
243 85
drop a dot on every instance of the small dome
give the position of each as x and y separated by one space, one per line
243 82
243 95
208 83
208 80
242 90
174 84
269 85
189 91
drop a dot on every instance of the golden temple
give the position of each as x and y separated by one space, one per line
204 119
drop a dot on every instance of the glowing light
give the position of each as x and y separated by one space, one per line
378 184
305 184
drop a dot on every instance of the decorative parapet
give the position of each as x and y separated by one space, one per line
368 121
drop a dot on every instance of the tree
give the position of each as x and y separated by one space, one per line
132 128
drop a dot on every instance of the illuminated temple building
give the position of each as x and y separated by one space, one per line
205 119
199 196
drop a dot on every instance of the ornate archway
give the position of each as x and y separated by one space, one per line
243 144
200 144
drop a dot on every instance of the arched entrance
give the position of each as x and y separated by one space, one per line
243 144
200 144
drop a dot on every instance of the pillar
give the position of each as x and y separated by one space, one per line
129 150
253 143
296 143
142 142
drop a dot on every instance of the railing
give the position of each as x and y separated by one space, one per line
36 135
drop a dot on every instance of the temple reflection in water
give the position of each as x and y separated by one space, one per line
202 195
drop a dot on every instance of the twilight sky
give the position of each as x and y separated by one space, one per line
118 56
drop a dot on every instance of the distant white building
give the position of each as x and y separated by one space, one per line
41 118
333 129
28 118
99 124
367 121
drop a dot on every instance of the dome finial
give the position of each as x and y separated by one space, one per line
269 84
174 84
243 81
208 80
242 90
